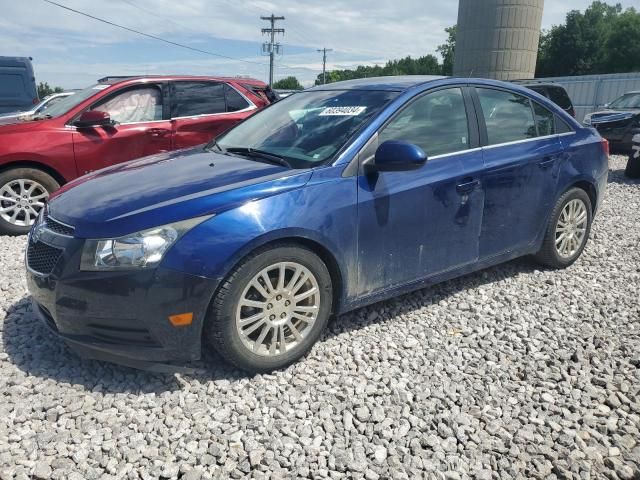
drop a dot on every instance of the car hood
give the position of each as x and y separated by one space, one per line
11 119
606 116
23 122
166 188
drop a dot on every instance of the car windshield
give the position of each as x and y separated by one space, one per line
307 128
67 103
628 100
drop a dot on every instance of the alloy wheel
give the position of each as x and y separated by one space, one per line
278 308
571 228
21 201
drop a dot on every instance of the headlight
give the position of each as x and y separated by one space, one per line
144 249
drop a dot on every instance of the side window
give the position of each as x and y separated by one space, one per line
141 104
436 122
197 98
235 101
507 115
544 120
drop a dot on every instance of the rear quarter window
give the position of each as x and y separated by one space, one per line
559 96
235 101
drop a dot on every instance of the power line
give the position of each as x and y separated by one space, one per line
272 47
148 35
324 62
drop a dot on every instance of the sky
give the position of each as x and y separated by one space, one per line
73 51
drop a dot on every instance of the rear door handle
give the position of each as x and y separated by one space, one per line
467 186
547 162
158 132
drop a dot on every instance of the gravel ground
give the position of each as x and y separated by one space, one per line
513 372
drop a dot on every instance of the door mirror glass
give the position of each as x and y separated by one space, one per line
94 118
397 155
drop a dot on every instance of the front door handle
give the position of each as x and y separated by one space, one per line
158 132
467 186
547 162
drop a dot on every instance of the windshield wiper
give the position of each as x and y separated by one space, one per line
214 143
253 152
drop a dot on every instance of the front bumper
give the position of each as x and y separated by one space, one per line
122 317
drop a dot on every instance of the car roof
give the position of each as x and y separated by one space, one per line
392 83
114 80
539 84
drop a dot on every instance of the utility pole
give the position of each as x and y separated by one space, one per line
272 47
324 63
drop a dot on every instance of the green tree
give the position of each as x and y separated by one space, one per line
288 83
44 89
603 39
427 65
447 51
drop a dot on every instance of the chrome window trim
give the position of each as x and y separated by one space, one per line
248 109
123 124
457 152
525 140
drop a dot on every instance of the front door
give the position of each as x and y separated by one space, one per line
419 223
522 157
140 129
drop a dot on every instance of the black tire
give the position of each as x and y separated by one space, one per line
31 174
548 255
633 166
220 331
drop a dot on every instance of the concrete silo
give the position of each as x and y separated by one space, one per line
497 38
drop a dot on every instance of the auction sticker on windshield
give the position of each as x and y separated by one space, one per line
342 111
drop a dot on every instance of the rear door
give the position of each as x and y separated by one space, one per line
202 110
141 129
521 154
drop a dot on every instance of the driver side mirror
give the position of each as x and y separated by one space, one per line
94 118
396 155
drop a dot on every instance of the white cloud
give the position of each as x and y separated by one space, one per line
359 31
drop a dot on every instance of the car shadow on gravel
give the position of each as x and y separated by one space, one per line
387 310
32 348
618 176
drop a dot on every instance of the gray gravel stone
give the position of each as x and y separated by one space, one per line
509 373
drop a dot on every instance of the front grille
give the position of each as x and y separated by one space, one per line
42 258
55 226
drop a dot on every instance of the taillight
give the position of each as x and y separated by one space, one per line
605 146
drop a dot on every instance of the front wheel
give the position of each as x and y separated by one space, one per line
23 193
568 230
271 309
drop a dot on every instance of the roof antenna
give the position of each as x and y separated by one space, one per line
470 73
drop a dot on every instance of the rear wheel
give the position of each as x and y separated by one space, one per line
271 309
568 230
23 193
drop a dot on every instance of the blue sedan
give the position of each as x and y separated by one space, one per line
331 199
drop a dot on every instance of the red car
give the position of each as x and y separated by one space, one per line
116 120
